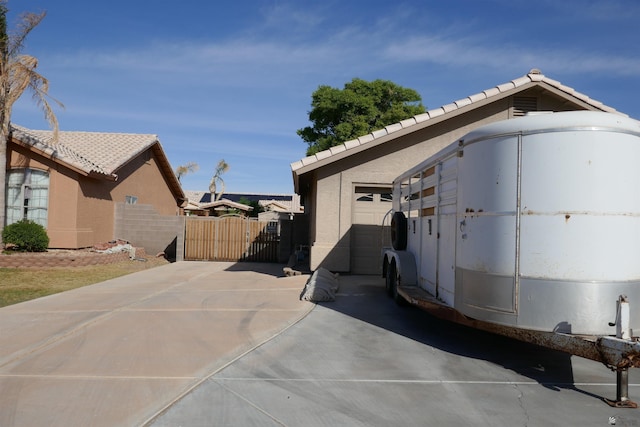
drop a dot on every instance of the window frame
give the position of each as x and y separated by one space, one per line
32 185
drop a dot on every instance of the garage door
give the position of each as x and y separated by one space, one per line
371 203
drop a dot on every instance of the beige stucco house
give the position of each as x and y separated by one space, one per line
217 208
346 189
72 187
274 206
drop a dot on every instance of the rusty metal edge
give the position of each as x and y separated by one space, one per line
615 353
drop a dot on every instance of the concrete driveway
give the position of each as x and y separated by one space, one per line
210 344
363 361
119 352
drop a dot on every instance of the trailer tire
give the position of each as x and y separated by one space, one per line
399 231
388 281
392 278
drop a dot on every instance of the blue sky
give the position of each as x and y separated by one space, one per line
233 79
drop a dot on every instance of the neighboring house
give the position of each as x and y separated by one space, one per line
273 210
73 186
223 207
281 206
346 190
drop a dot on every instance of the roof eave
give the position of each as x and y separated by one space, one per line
174 183
441 114
580 100
296 182
436 116
48 153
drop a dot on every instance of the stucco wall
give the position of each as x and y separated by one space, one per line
62 225
140 178
81 209
143 179
332 201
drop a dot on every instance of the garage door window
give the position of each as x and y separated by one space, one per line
373 195
365 197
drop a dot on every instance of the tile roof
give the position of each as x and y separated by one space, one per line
533 77
91 152
276 206
288 202
225 203
194 197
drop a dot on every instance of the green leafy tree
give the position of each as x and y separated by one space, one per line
339 115
254 204
18 75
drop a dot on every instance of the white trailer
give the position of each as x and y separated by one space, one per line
529 228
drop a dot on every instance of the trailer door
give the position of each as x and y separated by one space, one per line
447 227
487 220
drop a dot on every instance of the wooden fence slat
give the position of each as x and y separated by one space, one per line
230 239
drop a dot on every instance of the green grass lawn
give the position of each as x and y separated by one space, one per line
23 284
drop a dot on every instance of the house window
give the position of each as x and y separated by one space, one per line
130 200
27 196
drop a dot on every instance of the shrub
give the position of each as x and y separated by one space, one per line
26 236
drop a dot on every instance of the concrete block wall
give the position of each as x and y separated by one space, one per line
143 226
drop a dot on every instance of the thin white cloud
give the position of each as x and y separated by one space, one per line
243 95
153 117
294 19
253 62
615 11
463 53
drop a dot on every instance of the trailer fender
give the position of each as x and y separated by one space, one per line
405 266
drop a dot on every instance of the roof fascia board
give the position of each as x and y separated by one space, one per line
448 114
571 97
169 173
51 156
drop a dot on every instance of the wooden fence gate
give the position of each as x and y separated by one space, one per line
230 238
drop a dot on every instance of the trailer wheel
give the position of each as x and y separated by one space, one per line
392 278
399 231
388 282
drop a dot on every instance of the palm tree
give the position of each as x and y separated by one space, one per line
221 168
17 75
182 170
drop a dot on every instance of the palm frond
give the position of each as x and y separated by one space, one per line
27 22
185 169
23 76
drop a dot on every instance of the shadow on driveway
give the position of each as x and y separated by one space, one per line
550 368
